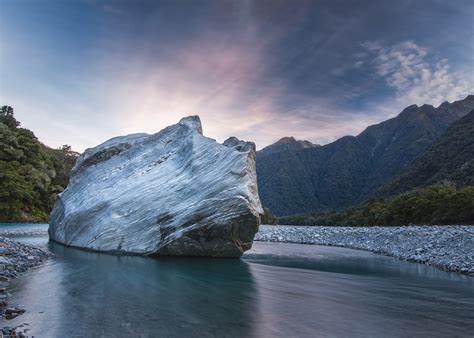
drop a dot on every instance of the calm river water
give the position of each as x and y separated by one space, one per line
275 290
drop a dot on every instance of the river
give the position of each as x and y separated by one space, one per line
275 290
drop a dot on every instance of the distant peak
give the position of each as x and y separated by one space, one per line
286 144
292 140
192 122
286 140
408 111
469 97
413 106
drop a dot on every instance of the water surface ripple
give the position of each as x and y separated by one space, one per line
275 290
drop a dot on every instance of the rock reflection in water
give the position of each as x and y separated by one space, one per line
92 293
275 290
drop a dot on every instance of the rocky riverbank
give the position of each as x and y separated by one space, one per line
24 233
15 258
450 248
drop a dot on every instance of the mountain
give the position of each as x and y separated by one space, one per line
31 174
347 172
450 160
286 144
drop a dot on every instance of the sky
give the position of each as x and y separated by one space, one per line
79 72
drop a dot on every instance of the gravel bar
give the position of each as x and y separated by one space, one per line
23 233
449 248
15 258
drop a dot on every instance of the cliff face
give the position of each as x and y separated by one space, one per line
172 193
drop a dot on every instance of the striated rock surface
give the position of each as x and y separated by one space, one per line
172 193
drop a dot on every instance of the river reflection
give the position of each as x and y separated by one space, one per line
275 290
85 293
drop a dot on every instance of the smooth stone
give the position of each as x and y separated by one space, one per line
176 192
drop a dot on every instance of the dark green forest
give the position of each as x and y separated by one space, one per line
31 174
436 188
435 204
449 159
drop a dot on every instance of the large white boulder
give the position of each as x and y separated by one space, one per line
176 192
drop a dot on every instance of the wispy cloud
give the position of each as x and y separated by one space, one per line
209 77
416 73
252 69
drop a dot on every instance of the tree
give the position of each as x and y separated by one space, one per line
6 117
267 217
66 148
31 174
435 204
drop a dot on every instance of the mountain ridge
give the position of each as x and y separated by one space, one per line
285 144
347 171
449 160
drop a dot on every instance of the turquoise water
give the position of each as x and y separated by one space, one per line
275 290
23 226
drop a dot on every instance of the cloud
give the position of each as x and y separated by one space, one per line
416 74
209 76
252 70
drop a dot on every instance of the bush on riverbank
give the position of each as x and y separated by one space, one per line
436 204
267 217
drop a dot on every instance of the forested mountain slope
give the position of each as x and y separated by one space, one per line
348 171
449 160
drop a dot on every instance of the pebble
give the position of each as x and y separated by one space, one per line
23 233
11 313
447 247
15 258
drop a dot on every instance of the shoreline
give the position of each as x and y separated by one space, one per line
448 248
15 259
23 233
